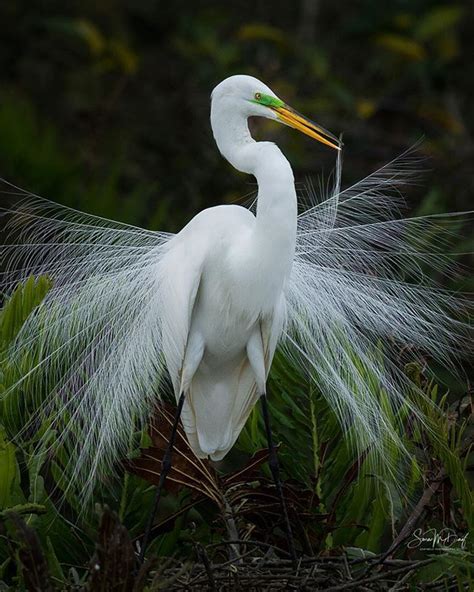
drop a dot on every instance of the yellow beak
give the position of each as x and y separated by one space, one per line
290 117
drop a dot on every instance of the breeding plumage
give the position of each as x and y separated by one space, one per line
210 305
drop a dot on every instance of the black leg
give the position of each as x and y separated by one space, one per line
275 469
165 469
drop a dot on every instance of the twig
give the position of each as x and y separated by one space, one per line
379 576
207 565
347 568
400 583
255 543
228 516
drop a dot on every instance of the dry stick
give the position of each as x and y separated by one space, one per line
218 566
441 585
400 583
229 521
347 568
255 543
207 566
254 578
174 577
277 573
379 576
309 575
376 559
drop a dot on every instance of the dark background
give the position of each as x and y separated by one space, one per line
105 105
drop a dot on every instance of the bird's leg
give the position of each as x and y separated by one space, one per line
165 469
275 470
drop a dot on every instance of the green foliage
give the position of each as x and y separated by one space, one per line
8 471
19 306
366 501
13 401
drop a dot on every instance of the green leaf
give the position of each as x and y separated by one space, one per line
53 562
19 306
8 470
35 463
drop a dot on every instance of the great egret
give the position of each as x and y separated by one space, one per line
211 304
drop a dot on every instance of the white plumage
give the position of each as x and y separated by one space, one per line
222 282
224 322
211 304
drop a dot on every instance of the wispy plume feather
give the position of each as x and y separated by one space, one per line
97 333
359 293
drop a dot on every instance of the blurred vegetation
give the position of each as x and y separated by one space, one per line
104 106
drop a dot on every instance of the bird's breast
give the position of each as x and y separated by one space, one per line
242 284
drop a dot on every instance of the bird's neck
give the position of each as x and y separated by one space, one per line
275 229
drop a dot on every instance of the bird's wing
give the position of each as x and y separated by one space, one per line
271 328
180 275
247 393
351 306
219 404
93 346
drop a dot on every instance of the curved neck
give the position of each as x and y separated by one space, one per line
276 205
273 238
232 135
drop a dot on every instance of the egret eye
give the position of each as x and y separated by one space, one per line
258 96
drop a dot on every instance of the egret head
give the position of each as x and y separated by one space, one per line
248 96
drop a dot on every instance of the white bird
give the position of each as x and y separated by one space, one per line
223 277
211 304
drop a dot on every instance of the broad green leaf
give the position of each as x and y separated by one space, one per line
19 306
53 562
